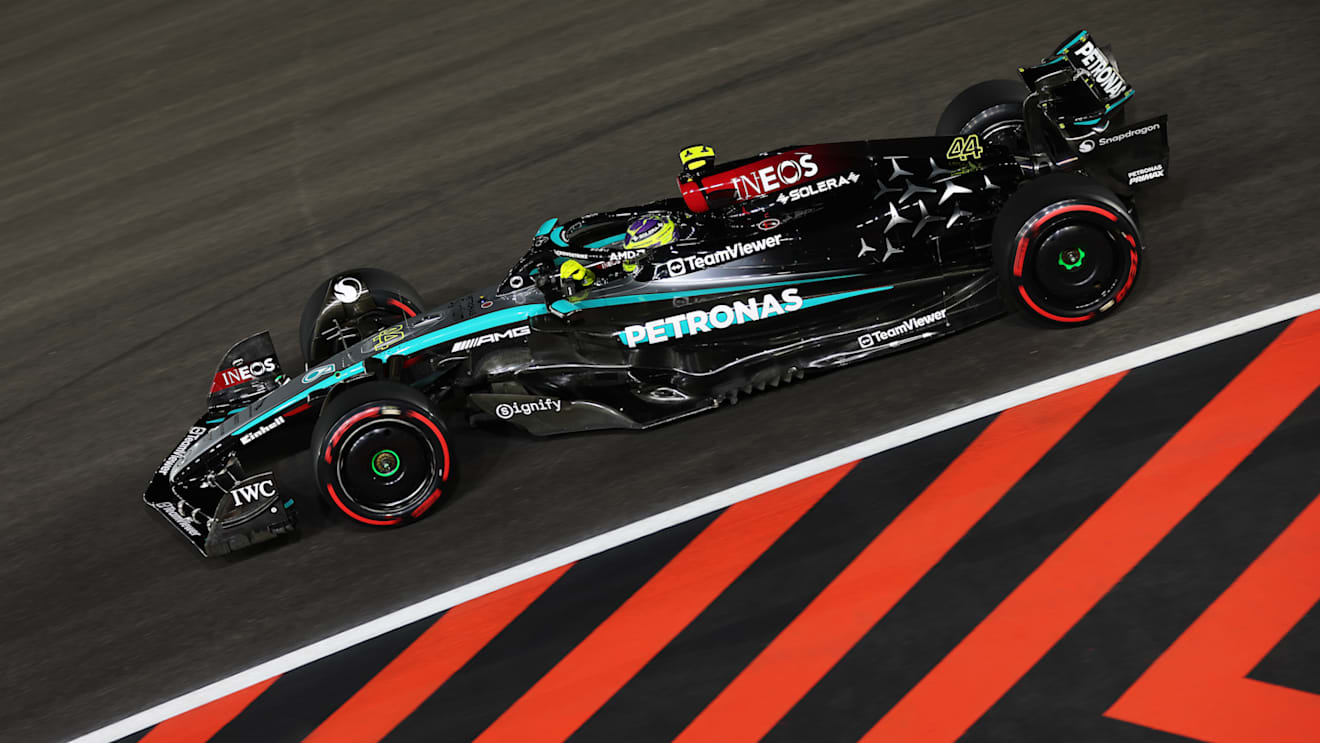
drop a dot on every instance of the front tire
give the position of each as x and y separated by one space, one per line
383 457
1066 250
991 110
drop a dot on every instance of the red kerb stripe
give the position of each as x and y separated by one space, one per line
1023 628
571 692
201 724
426 664
886 570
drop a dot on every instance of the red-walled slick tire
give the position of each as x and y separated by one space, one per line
1066 250
382 456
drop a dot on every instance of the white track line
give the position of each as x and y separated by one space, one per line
689 511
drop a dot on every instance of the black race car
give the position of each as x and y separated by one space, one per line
762 271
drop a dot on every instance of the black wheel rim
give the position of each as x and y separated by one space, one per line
387 466
1011 133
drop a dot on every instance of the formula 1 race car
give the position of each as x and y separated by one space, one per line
761 271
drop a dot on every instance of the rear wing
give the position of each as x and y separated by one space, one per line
1079 85
1135 155
1078 117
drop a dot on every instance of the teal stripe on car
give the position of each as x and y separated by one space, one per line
1120 101
808 303
606 241
546 226
323 383
490 320
522 313
817 301
660 296
1068 46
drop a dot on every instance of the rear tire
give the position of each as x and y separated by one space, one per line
382 455
992 110
1066 250
395 299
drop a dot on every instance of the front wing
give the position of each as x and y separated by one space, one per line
223 512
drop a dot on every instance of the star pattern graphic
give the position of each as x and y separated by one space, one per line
885 189
912 208
898 170
894 218
951 189
890 250
926 218
912 189
957 212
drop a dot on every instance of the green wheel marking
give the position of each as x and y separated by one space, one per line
1081 256
391 459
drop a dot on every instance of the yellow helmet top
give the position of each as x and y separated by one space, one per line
696 157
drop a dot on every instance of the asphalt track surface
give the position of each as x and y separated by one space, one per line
991 580
176 175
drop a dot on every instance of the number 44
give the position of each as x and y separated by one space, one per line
964 148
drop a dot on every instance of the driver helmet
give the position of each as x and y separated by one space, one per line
649 232
698 162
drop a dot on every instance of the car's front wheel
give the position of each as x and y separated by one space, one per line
1066 250
383 457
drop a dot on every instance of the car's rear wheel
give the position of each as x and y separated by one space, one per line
992 110
351 305
383 457
1066 250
